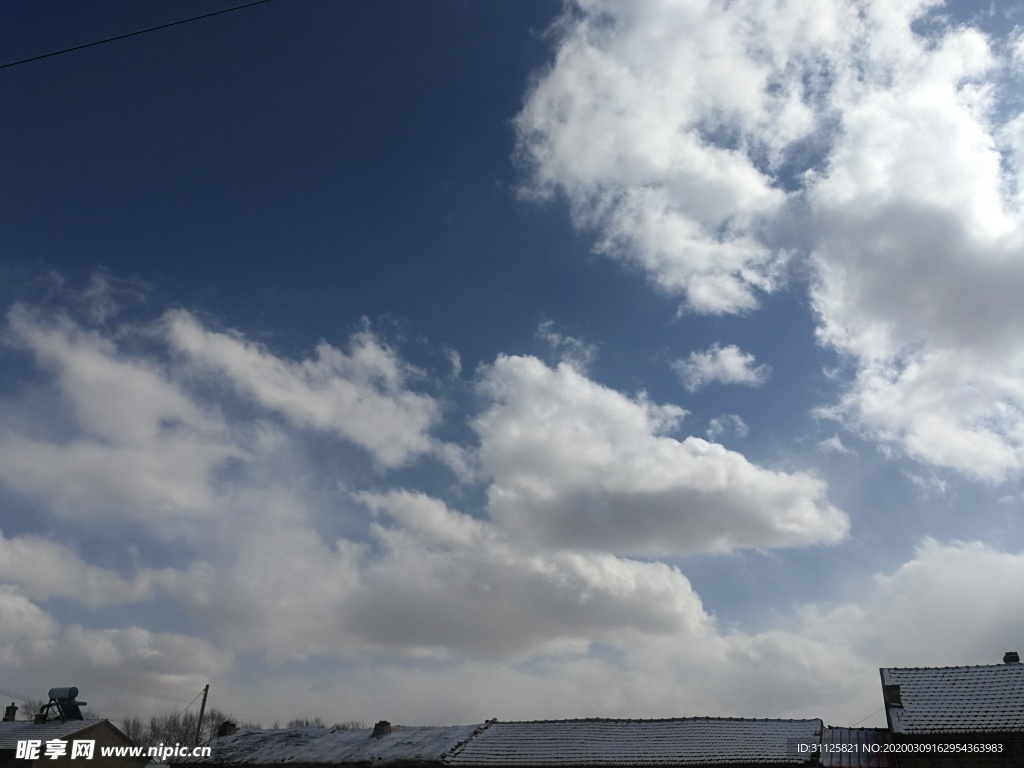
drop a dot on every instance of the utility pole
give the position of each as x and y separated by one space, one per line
202 709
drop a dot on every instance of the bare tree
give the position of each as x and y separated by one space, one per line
29 707
134 729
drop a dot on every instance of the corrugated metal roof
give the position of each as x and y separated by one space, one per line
678 741
324 746
855 748
23 730
987 699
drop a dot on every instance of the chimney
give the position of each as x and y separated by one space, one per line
381 729
1011 657
227 728
11 713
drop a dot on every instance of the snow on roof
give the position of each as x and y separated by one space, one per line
984 699
23 730
610 742
324 746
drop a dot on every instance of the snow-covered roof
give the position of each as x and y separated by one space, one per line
24 730
669 742
592 742
320 746
985 699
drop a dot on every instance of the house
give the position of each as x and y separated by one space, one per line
609 743
957 716
938 717
63 735
684 741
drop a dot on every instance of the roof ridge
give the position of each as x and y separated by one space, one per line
657 720
960 666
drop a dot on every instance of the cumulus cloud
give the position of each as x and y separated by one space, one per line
507 627
727 365
950 601
707 142
668 127
450 581
908 615
578 465
918 258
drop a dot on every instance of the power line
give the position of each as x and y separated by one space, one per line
194 700
132 34
855 724
14 695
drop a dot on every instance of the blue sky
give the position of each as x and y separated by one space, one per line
444 361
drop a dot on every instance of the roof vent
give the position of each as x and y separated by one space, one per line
381 729
1011 657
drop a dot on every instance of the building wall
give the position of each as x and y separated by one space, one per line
103 733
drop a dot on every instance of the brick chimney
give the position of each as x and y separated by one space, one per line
11 713
1011 657
381 729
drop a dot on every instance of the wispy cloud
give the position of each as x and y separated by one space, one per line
728 422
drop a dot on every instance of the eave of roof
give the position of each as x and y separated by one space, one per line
23 730
322 746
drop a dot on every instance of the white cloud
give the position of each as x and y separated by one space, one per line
119 670
577 465
447 581
667 126
24 626
728 365
704 142
821 660
917 259
134 443
834 445
421 608
46 569
952 603
361 395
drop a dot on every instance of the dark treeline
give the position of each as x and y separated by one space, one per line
180 728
